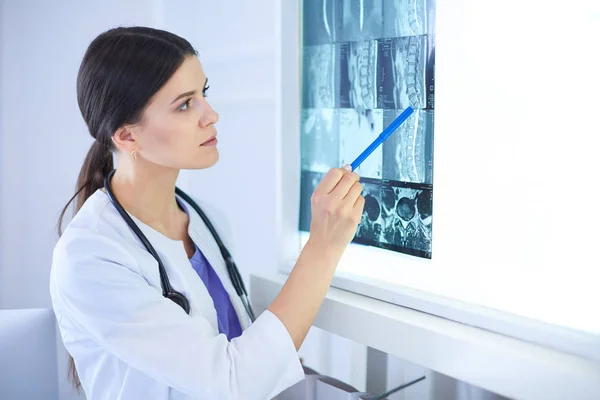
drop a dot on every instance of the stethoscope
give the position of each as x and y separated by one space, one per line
168 292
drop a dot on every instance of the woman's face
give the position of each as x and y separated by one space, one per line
178 124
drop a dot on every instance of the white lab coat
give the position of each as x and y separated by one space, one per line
129 342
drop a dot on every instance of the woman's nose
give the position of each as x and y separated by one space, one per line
210 116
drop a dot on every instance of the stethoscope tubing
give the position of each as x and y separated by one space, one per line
234 273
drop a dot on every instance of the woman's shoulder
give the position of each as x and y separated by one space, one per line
88 215
91 238
89 222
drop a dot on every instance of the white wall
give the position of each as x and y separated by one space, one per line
44 140
2 166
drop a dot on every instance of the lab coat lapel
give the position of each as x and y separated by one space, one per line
182 276
201 235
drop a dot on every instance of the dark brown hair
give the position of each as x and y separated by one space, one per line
120 72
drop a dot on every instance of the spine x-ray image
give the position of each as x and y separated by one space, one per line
358 20
402 72
318 22
408 154
402 18
358 75
363 63
319 89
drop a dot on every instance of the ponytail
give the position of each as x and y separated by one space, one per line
97 164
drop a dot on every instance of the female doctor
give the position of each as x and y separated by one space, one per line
132 334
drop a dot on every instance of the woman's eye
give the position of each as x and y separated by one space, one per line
185 105
204 91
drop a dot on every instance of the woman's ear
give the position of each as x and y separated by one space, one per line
124 139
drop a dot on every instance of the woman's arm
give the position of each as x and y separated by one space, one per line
336 207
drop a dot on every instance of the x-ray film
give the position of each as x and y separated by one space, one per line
357 131
403 18
408 152
397 216
309 181
318 24
358 75
402 72
363 63
320 139
318 76
358 20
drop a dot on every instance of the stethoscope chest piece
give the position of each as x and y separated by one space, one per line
180 300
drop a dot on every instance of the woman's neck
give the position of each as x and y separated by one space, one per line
147 191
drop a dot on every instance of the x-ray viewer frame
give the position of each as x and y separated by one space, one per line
352 275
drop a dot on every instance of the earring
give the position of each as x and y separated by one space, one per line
133 155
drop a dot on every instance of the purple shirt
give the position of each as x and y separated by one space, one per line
227 318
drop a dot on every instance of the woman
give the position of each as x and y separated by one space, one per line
142 93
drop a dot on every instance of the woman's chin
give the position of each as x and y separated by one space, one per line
207 160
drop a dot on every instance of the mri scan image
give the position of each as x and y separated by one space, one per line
318 76
408 152
370 228
320 139
358 20
357 131
363 63
402 72
358 75
403 18
318 25
397 216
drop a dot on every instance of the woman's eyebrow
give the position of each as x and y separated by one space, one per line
190 93
186 94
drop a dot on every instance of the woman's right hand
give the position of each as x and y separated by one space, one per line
336 207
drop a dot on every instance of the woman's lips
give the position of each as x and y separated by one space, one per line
210 142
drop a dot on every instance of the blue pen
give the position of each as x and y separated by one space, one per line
381 138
